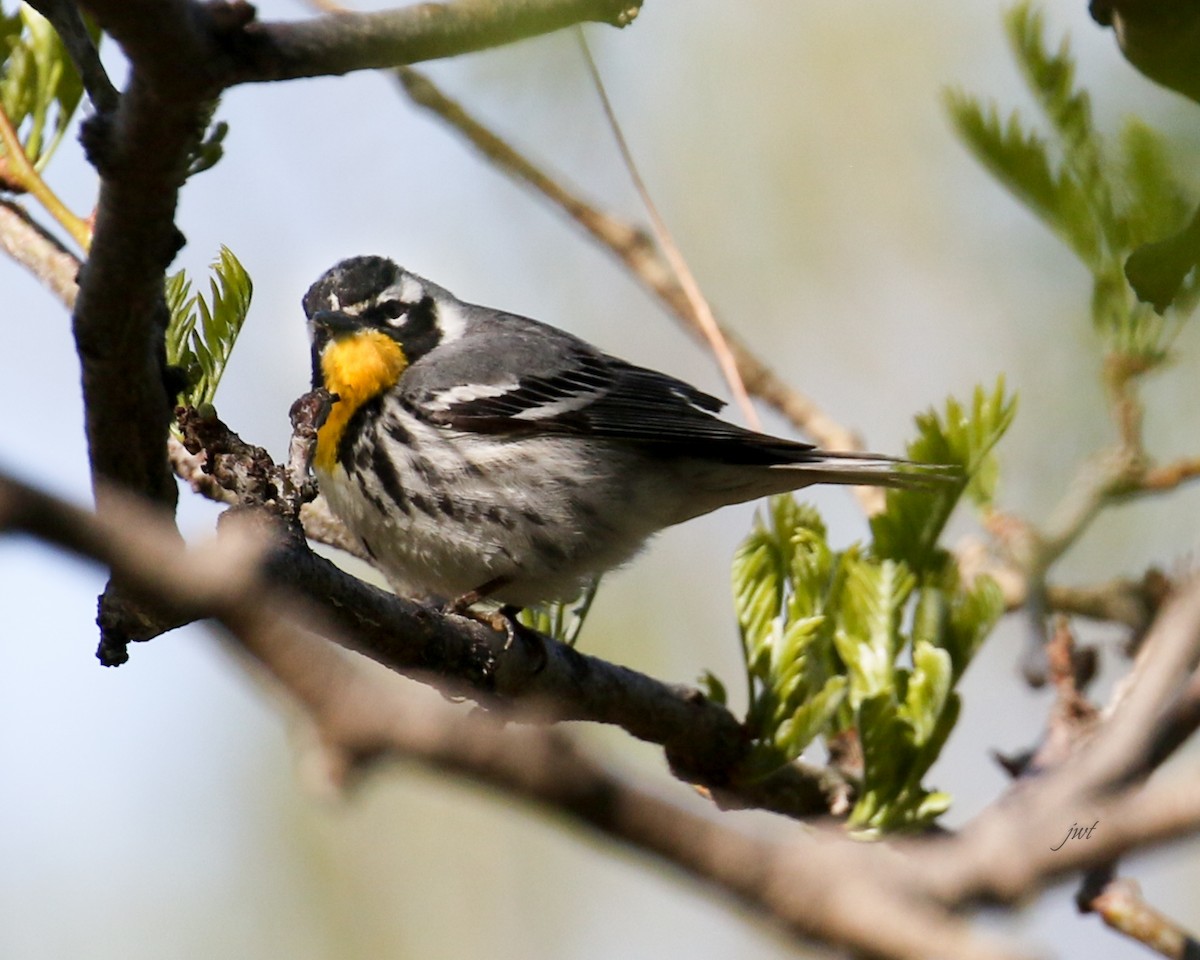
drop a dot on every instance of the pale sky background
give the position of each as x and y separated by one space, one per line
800 153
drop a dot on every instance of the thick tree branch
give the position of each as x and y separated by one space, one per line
341 42
183 54
885 901
141 152
815 885
196 50
703 741
999 853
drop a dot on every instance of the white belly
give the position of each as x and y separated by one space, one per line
534 513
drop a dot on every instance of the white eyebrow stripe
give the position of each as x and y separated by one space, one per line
466 392
411 289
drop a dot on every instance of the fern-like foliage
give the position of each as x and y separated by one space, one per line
787 587
203 331
40 88
1020 159
1050 76
868 644
1104 204
912 521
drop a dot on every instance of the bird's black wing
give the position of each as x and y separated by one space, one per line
526 378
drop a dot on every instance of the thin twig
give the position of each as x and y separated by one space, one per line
702 315
633 247
39 252
1121 906
995 856
21 174
1170 475
67 21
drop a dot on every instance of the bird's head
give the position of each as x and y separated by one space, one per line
369 320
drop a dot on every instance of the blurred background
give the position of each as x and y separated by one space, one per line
801 155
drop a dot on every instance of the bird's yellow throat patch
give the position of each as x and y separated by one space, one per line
357 368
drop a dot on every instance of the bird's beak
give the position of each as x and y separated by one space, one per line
333 322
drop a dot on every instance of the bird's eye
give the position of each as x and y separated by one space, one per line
392 309
389 311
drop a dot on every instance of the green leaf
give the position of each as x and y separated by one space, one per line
202 349
886 742
895 763
932 806
1157 202
1117 215
972 615
40 89
784 575
912 521
714 689
823 630
211 148
810 718
1020 160
927 691
868 635
1051 79
758 577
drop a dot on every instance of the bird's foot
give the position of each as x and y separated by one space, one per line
502 620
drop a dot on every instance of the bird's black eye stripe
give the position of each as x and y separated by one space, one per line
420 332
382 312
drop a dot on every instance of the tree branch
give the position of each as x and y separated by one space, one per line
815 884
703 741
183 54
342 42
68 23
1121 906
997 856
141 152
39 252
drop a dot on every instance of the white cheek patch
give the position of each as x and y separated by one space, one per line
451 321
466 392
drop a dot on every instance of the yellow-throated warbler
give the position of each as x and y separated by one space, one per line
476 452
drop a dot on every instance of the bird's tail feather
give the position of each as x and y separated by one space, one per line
872 470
